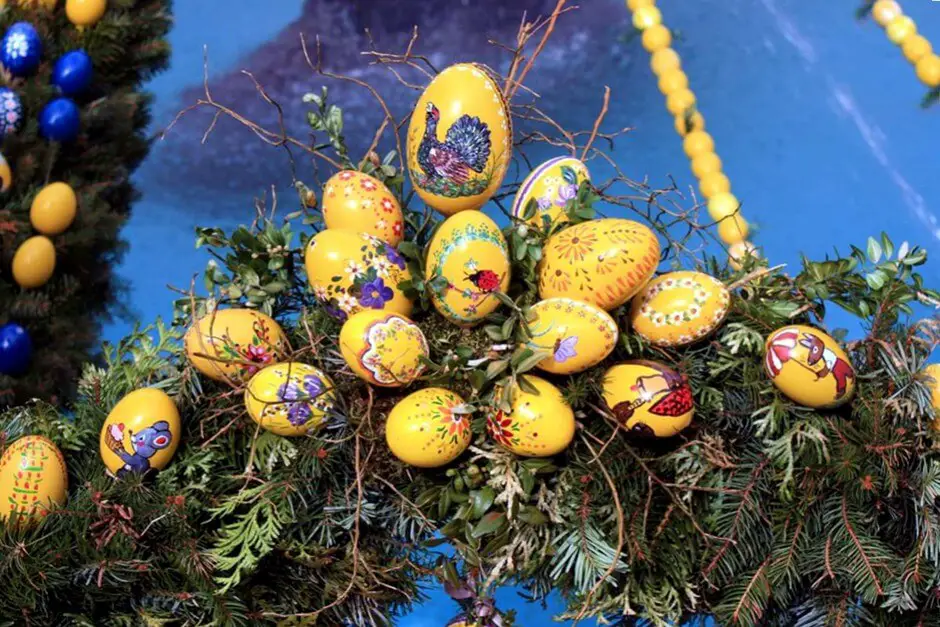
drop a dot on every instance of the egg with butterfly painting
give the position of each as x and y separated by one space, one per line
577 335
648 399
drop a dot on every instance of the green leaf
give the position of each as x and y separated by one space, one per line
532 361
482 500
490 523
496 368
875 280
494 332
478 379
532 516
887 244
874 250
526 386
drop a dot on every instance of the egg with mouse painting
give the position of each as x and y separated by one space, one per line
33 480
536 425
551 186
576 335
141 433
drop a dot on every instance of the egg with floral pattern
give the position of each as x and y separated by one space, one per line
290 398
233 344
383 348
551 186
538 425
459 139
602 262
679 308
468 260
141 433
355 201
575 334
351 271
428 428
809 366
648 399
33 480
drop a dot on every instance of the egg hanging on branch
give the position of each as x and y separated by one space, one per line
11 112
60 120
6 175
85 12
21 49
16 349
53 209
34 262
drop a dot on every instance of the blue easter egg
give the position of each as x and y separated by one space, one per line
72 72
21 49
59 120
16 349
11 111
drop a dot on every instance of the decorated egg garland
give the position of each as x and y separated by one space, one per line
648 399
576 334
33 480
233 344
428 428
141 433
679 308
551 186
358 202
538 425
809 367
383 348
290 398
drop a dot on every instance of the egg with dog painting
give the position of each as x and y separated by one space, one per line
550 186
536 425
459 139
575 334
429 428
648 399
33 480
809 367
290 398
679 308
355 201
141 433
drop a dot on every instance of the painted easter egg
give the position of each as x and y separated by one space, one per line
550 186
809 366
933 384
383 348
577 335
290 398
141 433
470 256
6 174
648 399
232 344
428 428
459 139
355 201
679 308
33 480
538 425
352 271
602 262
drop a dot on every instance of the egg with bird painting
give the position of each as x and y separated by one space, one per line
551 186
290 398
33 480
459 139
355 201
536 424
383 348
429 428
809 367
141 433
648 399
468 260
576 335
232 344
679 308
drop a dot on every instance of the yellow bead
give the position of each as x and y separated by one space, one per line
900 28
738 254
646 16
713 184
884 11
697 143
633 5
663 60
705 163
53 209
34 262
722 205
928 70
678 102
915 48
85 12
656 38
733 229
673 80
688 124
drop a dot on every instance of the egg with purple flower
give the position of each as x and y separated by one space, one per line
551 186
11 111
575 335
290 398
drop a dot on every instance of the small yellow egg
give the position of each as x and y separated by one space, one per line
576 334
355 201
933 384
900 28
673 80
551 185
34 262
713 184
646 16
722 205
141 433
705 163
633 5
733 229
656 38
383 348
686 124
928 70
53 209
6 175
697 143
680 101
679 308
232 344
539 425
739 252
663 60
915 48
428 428
809 367
290 398
883 11
85 12
648 399
33 480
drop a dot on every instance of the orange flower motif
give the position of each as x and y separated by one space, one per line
368 184
575 244
559 279
497 425
456 423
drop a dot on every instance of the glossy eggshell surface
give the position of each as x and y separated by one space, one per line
551 185
602 262
539 425
933 384
577 335
33 480
232 344
426 428
648 399
290 398
809 367
383 348
679 308
142 432
470 253
459 139
352 271
355 201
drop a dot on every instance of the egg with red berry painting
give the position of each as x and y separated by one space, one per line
33 480
576 335
355 201
468 260
383 348
679 308
534 425
550 186
429 428
233 344
290 398
648 399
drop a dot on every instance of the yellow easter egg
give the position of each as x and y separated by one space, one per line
358 202
34 262
468 260
915 48
655 38
6 175
33 480
646 16
538 425
53 209
679 308
809 367
933 383
686 124
883 11
577 335
705 163
714 183
733 229
290 398
383 348
550 186
459 139
739 252
601 262
928 70
648 399
899 28
232 344
664 60
141 433
428 428
85 12
352 271
680 101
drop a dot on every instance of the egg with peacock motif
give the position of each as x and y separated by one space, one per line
351 271
141 433
468 260
383 348
577 335
648 399
809 366
290 398
232 344
550 186
428 428
537 425
679 308
459 139
355 201
33 480
602 262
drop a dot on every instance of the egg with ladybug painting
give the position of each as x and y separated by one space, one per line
575 334
679 308
429 428
233 344
459 139
648 399
33 480
551 186
468 260
809 367
358 202
141 433
383 348
536 425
